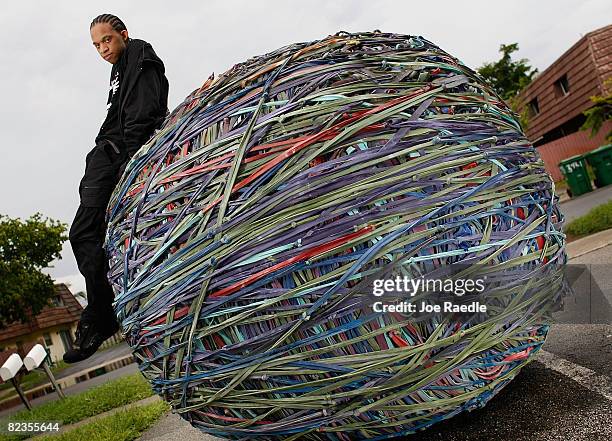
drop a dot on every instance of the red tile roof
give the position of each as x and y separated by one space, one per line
50 316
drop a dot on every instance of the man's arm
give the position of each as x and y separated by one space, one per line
142 111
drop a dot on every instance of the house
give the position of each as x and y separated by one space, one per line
556 98
54 327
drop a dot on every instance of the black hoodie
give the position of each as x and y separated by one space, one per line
137 105
137 100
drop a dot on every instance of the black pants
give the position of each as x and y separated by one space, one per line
87 237
88 229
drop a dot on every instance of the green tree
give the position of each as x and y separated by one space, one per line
600 112
26 247
508 77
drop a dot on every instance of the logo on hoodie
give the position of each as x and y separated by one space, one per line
114 86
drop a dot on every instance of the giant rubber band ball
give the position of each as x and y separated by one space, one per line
237 233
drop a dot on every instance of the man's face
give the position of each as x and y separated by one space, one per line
109 43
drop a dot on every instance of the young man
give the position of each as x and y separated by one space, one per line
136 106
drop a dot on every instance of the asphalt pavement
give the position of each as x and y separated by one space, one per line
581 205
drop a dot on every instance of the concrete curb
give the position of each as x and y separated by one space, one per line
563 196
588 244
172 427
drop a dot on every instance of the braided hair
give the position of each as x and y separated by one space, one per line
111 19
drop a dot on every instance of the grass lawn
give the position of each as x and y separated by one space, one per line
77 407
125 425
598 219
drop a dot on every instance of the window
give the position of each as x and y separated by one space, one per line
48 341
57 301
534 108
562 86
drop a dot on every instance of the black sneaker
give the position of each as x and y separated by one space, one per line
88 339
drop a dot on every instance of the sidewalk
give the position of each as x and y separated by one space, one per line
172 426
117 351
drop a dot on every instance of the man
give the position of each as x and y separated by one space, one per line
136 106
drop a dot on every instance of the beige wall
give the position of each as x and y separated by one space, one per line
57 349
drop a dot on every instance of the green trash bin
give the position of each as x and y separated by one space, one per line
601 161
575 171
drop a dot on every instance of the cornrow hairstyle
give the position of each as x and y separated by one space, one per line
111 19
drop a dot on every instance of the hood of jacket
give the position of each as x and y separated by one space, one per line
137 54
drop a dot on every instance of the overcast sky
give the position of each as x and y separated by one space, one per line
53 84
